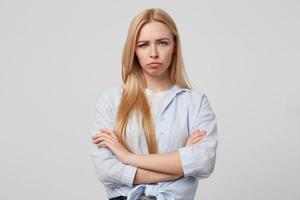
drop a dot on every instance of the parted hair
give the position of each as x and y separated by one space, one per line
133 97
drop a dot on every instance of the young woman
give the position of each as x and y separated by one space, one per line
154 137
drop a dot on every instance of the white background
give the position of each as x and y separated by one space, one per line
57 56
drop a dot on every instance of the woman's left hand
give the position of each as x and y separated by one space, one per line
107 138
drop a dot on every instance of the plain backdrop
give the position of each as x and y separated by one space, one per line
56 57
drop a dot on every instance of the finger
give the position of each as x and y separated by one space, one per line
107 130
101 131
98 140
195 140
96 135
103 138
114 136
103 144
198 132
201 132
106 143
195 132
201 135
111 133
197 135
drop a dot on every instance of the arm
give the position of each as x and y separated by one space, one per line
147 176
144 176
155 162
107 140
165 162
199 160
196 160
110 171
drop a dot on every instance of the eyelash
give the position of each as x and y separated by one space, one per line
164 43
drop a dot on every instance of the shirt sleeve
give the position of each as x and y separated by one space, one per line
198 160
110 171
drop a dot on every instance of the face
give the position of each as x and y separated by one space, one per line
155 44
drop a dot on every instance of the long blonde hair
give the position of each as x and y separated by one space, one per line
133 96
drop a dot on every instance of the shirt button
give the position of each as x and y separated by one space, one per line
162 118
161 133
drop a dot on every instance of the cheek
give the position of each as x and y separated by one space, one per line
141 57
167 55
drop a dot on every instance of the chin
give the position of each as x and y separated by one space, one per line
156 72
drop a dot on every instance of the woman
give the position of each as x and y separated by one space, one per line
154 137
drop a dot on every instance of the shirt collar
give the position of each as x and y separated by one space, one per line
175 90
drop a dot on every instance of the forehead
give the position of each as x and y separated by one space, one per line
154 30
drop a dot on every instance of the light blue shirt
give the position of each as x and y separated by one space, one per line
182 112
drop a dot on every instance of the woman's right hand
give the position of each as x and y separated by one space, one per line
195 137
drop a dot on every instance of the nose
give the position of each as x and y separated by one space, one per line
153 52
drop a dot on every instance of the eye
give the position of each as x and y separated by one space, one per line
163 43
142 45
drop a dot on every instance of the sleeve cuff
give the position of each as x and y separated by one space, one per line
187 160
128 174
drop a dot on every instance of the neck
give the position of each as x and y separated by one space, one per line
158 84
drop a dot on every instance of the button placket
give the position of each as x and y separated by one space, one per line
162 119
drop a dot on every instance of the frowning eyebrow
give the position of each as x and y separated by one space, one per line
160 39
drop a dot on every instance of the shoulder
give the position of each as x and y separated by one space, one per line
197 101
110 95
193 95
111 91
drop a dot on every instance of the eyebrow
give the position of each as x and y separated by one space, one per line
156 40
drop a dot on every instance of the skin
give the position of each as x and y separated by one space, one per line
154 43
147 171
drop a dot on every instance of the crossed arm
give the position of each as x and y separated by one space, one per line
144 176
154 168
151 168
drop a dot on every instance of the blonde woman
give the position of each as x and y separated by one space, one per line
154 137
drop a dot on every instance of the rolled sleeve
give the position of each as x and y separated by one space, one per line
128 174
110 171
198 160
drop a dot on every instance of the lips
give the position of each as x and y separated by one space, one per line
154 63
